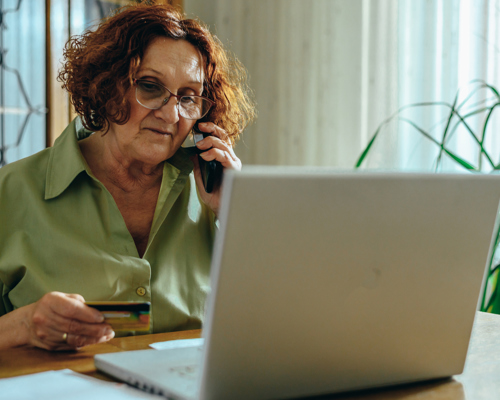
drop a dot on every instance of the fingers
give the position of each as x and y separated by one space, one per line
77 341
214 130
71 326
216 143
54 339
74 296
224 157
71 306
61 321
218 147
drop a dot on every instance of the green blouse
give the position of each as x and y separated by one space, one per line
61 230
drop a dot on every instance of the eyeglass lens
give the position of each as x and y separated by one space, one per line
154 96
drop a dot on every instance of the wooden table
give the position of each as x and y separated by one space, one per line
28 360
480 380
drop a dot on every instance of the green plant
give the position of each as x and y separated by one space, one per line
458 115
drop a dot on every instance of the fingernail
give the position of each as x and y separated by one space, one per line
204 124
200 142
108 332
99 318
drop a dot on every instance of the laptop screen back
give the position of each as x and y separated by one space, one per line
327 282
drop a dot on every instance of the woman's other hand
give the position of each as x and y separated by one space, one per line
58 321
218 148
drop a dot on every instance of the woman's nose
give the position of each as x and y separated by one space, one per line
169 112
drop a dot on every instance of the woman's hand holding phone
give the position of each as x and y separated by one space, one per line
216 147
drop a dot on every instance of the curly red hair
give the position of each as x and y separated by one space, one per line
100 66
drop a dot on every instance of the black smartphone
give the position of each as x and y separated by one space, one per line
211 171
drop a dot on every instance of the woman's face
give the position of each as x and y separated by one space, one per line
152 136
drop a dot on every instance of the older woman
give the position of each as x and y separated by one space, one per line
117 211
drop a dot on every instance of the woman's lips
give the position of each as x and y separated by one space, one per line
159 131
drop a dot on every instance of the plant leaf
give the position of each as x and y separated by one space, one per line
368 147
459 160
424 133
450 128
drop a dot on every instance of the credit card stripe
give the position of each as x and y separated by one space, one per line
116 315
121 307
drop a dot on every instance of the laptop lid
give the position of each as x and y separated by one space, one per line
326 282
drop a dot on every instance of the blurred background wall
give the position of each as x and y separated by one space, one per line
325 74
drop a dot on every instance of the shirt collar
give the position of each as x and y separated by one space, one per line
181 159
66 161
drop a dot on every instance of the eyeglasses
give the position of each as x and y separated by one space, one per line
154 96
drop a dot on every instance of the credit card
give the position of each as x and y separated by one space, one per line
124 315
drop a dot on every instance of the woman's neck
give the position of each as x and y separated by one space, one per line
112 167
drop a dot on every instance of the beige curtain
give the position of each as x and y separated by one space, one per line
308 66
326 73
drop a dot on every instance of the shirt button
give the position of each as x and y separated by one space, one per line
140 291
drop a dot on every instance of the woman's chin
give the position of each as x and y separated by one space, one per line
155 156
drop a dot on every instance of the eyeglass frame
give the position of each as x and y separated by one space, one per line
176 96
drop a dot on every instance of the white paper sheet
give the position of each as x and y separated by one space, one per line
66 384
177 344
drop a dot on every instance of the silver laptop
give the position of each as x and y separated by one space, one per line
325 282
